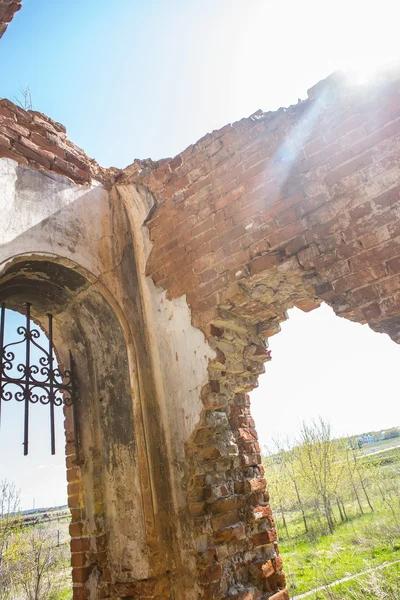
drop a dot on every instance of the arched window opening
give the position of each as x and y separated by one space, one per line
30 374
84 322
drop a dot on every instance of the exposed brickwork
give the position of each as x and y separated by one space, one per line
31 138
8 8
281 209
87 550
308 194
278 210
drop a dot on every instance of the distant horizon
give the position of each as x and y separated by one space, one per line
65 506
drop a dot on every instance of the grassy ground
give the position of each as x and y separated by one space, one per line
383 584
364 542
63 594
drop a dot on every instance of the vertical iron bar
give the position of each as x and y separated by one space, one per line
51 386
74 407
27 373
3 315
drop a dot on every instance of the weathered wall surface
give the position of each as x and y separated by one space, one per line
80 252
300 191
56 252
69 249
191 263
8 8
281 209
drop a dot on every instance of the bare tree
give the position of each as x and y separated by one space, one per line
358 470
38 564
320 463
288 458
24 99
279 487
10 539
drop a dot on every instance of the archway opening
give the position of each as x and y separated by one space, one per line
326 412
35 547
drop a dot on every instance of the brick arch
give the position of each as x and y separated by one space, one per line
279 210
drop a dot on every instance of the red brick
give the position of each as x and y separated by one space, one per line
80 574
345 127
393 265
230 534
262 512
388 198
78 560
265 262
264 537
225 520
272 566
223 505
211 573
287 233
254 485
348 168
315 146
282 595
373 256
79 544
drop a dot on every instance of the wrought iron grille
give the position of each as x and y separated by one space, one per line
38 379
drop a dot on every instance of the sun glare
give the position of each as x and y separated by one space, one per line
364 69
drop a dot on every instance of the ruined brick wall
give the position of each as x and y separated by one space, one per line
8 8
308 191
31 138
278 210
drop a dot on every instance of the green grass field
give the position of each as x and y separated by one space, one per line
383 584
362 542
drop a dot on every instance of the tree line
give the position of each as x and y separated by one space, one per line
326 481
30 556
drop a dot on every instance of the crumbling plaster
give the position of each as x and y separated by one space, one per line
48 217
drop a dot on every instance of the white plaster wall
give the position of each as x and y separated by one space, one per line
46 213
183 355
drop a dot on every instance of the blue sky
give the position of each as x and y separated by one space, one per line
39 476
136 79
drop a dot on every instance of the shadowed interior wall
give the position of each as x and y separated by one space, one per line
103 514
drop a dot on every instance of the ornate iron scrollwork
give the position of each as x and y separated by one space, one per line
35 381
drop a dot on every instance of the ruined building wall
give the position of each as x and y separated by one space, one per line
31 138
168 278
302 190
70 250
279 210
